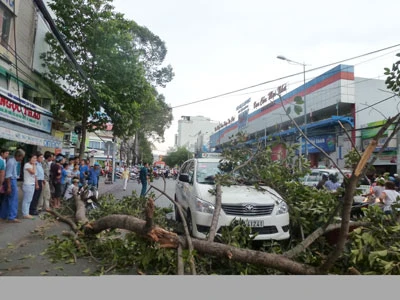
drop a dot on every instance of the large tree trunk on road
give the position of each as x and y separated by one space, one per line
169 239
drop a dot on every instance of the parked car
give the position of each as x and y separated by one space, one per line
315 176
264 211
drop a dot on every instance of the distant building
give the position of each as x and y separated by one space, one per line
334 99
194 132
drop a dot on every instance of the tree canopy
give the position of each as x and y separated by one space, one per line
177 157
121 60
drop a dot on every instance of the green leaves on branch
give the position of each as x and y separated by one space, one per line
123 62
297 106
393 80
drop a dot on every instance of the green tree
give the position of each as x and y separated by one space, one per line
104 44
178 157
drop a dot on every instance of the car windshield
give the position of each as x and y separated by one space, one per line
206 172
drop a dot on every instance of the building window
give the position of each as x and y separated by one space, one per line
96 145
5 25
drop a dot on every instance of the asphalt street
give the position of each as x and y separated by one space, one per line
22 244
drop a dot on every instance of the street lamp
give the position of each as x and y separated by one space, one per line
304 97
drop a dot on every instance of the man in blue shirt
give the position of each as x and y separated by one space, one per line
94 174
9 208
3 157
84 169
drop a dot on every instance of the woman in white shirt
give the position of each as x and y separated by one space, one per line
388 197
72 189
30 183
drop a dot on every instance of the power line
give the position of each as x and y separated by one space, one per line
41 6
285 77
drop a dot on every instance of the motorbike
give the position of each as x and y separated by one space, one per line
89 195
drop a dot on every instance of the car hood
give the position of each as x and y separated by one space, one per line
236 194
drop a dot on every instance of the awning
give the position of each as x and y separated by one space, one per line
334 120
25 135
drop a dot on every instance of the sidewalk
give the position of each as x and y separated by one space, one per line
11 234
22 245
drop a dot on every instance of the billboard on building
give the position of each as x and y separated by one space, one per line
371 130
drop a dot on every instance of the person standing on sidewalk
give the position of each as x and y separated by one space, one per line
93 175
144 178
84 169
56 174
9 209
3 163
45 195
125 177
29 186
33 208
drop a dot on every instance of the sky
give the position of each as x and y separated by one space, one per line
220 46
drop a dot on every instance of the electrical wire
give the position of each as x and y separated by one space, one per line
285 77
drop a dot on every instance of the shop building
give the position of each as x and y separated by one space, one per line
25 99
336 102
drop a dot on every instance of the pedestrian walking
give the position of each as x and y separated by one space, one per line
125 177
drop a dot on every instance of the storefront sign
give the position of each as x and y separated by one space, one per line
325 142
372 129
27 138
370 132
24 112
392 145
227 122
387 158
271 95
241 106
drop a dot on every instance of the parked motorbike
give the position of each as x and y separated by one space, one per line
89 195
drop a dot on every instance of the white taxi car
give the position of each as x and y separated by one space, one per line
264 211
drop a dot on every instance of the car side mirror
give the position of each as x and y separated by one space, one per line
183 177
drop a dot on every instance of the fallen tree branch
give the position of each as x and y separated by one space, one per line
169 239
315 235
185 227
64 219
217 210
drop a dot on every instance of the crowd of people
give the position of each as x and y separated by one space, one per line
47 179
384 189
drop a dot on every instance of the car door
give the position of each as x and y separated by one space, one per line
188 190
179 184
